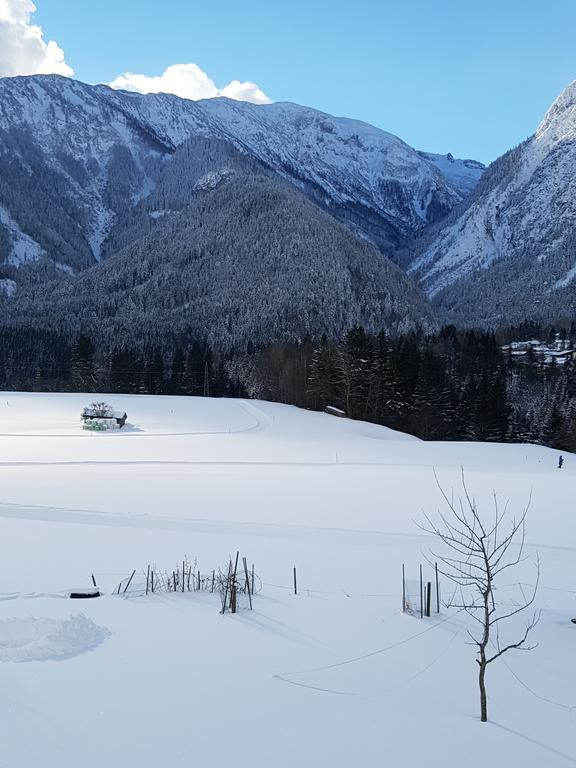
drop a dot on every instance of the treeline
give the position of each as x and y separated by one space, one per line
453 385
533 329
43 361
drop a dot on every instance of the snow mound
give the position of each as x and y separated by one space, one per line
34 639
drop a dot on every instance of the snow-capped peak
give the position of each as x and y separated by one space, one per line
559 123
102 150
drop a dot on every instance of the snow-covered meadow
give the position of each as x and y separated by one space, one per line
335 675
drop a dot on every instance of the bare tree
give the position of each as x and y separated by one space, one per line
479 552
100 410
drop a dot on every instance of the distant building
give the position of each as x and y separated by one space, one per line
109 418
558 352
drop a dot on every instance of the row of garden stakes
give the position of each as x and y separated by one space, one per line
230 589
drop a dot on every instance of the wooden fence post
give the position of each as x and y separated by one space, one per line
129 582
437 589
247 581
403 590
421 595
226 587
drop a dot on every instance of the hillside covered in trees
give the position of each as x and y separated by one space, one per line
224 251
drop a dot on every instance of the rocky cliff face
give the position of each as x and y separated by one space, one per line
510 252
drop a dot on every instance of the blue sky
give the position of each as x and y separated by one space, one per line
470 78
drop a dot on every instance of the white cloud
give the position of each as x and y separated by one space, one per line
189 82
23 50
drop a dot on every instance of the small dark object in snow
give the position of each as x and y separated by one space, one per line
573 621
560 462
80 594
333 411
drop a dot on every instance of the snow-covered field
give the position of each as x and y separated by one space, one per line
334 676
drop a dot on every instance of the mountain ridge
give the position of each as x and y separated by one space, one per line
100 150
507 253
227 252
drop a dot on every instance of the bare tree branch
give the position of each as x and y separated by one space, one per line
477 553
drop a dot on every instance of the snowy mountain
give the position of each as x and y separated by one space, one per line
463 175
226 251
74 159
509 254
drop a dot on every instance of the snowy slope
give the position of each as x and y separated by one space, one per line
509 254
21 248
464 175
335 675
101 151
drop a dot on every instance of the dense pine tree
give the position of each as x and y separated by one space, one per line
455 385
